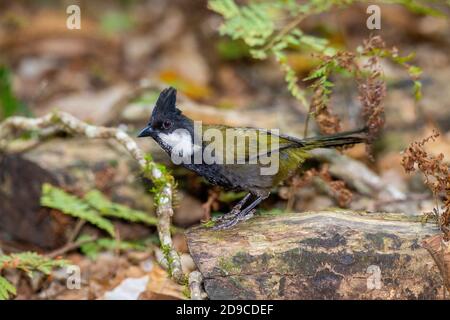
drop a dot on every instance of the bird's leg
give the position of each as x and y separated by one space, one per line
235 210
240 216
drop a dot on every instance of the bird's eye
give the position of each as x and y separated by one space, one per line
166 124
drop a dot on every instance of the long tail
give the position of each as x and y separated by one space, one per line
336 140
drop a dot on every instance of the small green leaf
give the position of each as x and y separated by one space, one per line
417 90
6 289
414 71
9 104
92 248
57 198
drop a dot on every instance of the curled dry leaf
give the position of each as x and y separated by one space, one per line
372 89
338 189
436 174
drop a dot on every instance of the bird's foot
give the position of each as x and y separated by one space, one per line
231 219
227 216
230 215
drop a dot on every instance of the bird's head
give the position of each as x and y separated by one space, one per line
167 125
166 117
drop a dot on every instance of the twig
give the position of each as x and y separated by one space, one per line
308 117
76 230
357 175
164 183
195 286
68 247
284 31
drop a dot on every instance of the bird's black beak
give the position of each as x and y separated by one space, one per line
146 132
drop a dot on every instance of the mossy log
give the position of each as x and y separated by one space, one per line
318 255
77 165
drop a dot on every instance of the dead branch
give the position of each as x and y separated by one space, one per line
61 121
195 286
357 175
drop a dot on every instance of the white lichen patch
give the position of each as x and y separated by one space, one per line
131 145
156 173
163 200
91 131
120 135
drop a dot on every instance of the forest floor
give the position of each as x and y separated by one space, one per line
177 43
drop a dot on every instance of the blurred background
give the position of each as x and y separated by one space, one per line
110 72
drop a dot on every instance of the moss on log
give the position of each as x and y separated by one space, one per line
318 255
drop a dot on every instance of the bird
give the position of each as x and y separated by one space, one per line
255 165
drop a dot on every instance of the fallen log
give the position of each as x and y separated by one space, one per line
318 255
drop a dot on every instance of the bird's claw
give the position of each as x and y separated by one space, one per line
232 219
230 215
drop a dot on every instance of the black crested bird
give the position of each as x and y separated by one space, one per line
179 137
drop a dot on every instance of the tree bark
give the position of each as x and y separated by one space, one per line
318 255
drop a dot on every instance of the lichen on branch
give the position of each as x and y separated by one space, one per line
164 182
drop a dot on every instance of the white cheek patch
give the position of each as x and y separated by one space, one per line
180 142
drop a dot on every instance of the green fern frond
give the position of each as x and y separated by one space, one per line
110 209
253 23
419 7
92 248
6 289
259 24
56 198
28 262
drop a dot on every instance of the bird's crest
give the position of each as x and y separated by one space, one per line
166 102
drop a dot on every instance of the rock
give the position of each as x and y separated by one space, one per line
189 211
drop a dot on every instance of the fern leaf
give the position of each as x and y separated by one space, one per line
29 262
252 23
110 209
6 289
56 198
92 248
226 8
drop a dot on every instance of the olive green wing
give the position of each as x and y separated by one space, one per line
243 145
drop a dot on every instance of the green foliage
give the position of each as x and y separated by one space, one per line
92 248
230 196
272 212
147 98
9 104
160 177
110 209
6 289
57 198
113 22
232 50
419 6
404 61
29 262
209 224
257 25
166 249
94 208
254 23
